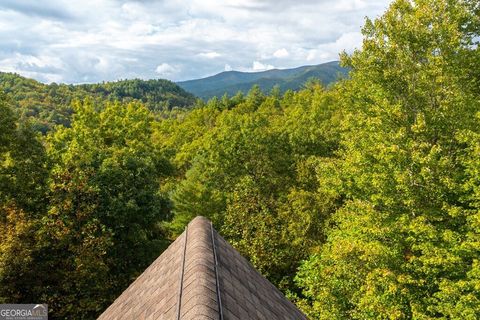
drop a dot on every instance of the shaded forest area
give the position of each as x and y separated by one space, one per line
46 106
360 201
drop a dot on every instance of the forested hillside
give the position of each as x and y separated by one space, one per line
49 105
359 201
231 82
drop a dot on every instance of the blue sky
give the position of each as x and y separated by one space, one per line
103 40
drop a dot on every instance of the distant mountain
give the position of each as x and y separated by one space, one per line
231 82
50 104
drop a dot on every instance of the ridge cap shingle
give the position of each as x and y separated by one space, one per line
199 287
201 276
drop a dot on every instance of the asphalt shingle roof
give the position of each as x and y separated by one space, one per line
201 276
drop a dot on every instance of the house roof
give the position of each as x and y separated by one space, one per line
201 276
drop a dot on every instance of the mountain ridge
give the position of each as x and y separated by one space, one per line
230 82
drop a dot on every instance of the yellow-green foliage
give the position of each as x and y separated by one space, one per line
401 245
360 201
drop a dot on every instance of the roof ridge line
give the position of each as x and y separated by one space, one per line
199 295
217 283
180 291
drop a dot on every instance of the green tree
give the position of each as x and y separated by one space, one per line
102 226
397 242
248 172
23 176
22 161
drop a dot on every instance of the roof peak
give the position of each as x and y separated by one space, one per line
199 220
200 276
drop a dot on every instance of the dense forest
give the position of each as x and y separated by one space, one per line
48 105
359 201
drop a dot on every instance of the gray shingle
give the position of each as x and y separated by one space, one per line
185 283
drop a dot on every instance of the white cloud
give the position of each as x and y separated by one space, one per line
210 55
349 5
227 67
311 55
258 66
165 69
349 41
104 40
43 68
281 53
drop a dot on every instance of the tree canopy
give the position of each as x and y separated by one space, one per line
49 105
359 201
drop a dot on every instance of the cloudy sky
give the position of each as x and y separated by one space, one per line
102 40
